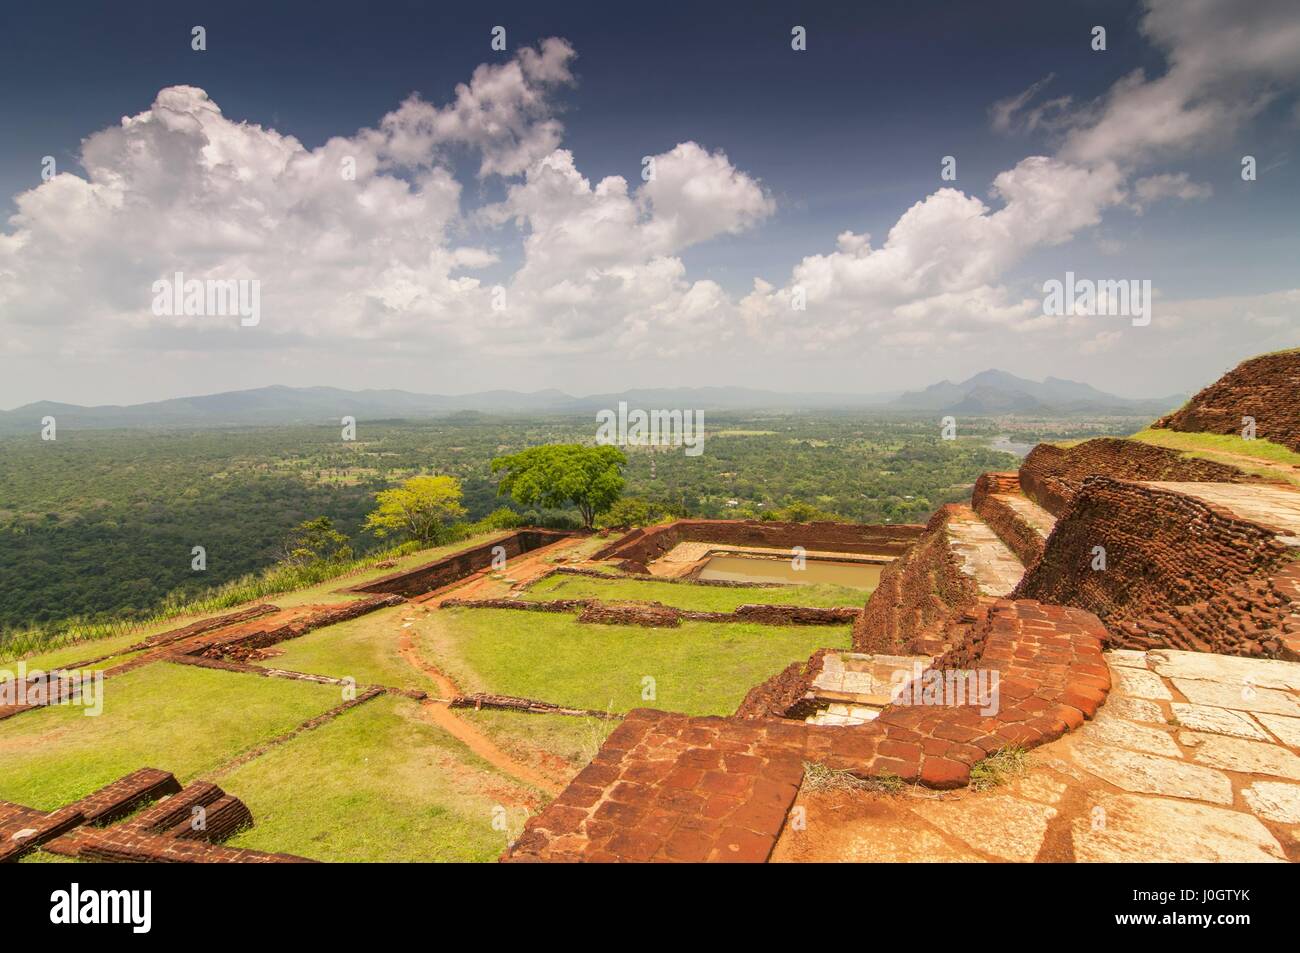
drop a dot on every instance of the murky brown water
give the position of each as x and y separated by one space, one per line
757 569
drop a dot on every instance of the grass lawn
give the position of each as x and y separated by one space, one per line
695 597
377 783
77 652
178 718
365 648
1229 449
699 668
560 743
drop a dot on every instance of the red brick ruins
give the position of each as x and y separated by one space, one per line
183 825
671 787
916 597
1111 543
1227 587
1263 388
1051 476
644 546
1178 571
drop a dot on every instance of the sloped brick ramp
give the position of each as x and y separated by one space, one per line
669 787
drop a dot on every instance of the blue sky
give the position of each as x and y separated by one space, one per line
846 136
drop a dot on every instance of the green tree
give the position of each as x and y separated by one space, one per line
315 541
797 511
631 512
555 475
422 508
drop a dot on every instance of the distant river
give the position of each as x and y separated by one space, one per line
1004 443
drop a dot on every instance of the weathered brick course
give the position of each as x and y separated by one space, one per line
1179 572
1266 388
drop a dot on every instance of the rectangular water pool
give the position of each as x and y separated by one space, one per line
758 569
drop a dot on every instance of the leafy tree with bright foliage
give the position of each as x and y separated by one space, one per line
423 508
553 476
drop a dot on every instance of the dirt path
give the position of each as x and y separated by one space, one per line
438 712
483 746
447 689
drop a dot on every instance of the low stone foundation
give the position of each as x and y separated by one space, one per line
443 572
648 614
241 645
600 612
644 546
480 700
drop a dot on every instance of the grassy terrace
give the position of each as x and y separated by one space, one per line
1257 456
685 596
176 717
366 648
378 784
382 781
699 668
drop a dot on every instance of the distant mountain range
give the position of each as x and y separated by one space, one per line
987 393
995 392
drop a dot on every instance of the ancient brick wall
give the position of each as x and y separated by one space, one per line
993 482
1179 573
1012 528
648 614
1051 476
775 697
445 571
241 645
645 546
1266 388
917 594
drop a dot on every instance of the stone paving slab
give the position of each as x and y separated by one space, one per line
1122 733
984 557
1274 801
1277 507
1245 757
1004 827
1033 514
1261 673
1140 683
1124 828
1234 695
1144 773
1220 721
1286 729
